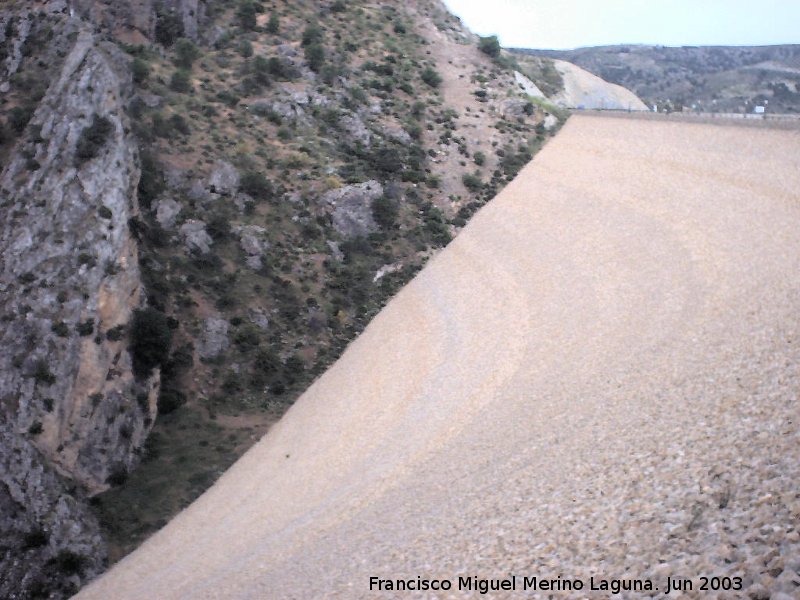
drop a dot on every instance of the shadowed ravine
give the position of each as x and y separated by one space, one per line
597 377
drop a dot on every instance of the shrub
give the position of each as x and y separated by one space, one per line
312 35
274 23
256 185
185 53
384 211
151 180
245 49
261 68
170 399
315 56
151 338
169 27
479 158
92 139
42 373
490 46
181 81
246 13
178 123
60 329
431 77
140 70
118 476
86 328
19 116
69 563
281 69
472 182
35 428
36 538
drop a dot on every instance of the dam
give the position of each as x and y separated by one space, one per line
596 379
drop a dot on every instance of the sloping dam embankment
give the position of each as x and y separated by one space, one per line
598 377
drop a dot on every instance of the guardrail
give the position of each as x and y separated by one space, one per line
789 121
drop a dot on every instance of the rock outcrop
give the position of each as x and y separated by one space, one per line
73 415
585 90
351 208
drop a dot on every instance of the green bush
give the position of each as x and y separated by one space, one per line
169 27
246 13
256 185
69 563
479 158
178 123
431 77
274 23
472 182
60 329
312 35
19 116
151 180
86 328
140 70
151 339
42 373
92 139
245 49
315 56
490 46
170 399
181 81
185 53
384 211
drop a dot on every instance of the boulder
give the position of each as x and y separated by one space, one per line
195 237
166 212
214 340
352 208
224 179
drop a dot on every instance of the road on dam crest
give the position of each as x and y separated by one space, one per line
597 378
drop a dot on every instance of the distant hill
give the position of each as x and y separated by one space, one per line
722 78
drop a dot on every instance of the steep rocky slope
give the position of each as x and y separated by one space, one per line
708 78
202 204
74 416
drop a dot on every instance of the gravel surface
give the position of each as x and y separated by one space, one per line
597 378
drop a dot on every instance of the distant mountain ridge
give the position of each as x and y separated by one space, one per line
711 78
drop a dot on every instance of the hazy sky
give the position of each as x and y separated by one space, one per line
573 23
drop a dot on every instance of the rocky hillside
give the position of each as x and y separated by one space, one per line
707 78
202 203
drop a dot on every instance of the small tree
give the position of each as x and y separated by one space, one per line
140 70
256 185
431 77
181 81
246 13
490 46
312 35
92 139
185 53
169 27
274 23
151 338
384 211
315 55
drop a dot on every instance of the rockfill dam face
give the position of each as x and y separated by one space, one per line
596 379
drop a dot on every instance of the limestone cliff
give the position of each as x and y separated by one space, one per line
73 415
